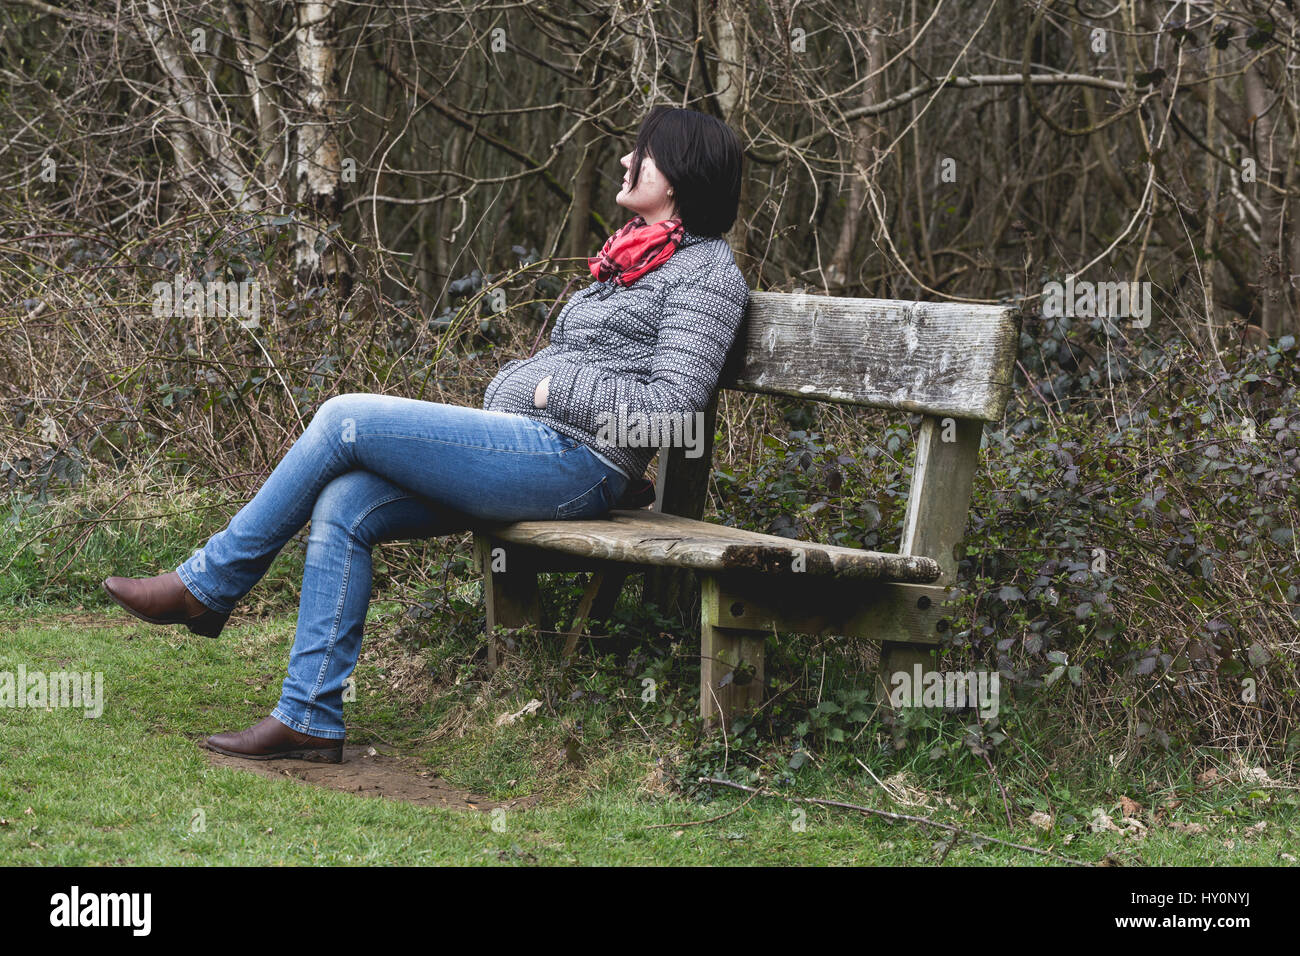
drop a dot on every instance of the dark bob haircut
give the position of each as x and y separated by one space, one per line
700 156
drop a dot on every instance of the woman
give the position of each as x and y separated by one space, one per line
648 336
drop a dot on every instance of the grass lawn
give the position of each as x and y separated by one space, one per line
130 786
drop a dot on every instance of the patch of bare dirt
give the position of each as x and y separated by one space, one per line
366 772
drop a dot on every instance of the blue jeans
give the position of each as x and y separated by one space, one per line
373 468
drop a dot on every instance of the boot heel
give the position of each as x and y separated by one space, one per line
208 624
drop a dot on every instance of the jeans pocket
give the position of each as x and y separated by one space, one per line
567 443
559 439
595 502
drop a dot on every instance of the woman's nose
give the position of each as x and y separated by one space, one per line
626 161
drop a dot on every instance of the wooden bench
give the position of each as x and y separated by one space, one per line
951 363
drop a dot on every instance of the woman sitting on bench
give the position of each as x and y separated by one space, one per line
647 337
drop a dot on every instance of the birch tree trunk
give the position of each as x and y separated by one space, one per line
1275 297
730 27
201 145
259 75
842 270
319 164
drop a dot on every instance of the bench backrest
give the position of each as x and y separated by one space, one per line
945 359
951 362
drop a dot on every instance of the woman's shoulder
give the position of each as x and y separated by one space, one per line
705 259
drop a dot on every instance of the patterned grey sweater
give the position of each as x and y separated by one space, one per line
625 362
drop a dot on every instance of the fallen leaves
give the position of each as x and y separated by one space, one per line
1239 773
1100 821
529 708
1253 776
1128 826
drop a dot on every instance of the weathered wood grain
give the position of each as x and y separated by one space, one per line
513 600
664 540
682 488
934 524
934 358
732 661
916 613
944 360
939 499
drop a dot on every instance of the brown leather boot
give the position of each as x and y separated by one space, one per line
270 739
164 599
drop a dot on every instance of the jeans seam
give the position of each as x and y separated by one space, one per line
334 635
219 606
338 608
329 467
460 444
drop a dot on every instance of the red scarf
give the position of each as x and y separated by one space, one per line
635 249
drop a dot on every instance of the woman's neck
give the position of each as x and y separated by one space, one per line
659 215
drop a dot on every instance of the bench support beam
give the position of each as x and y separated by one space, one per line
914 613
738 612
731 661
509 591
598 600
947 455
682 488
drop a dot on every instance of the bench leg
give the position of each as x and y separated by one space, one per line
896 658
597 602
509 591
611 586
731 662
947 456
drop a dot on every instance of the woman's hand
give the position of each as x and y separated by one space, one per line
541 393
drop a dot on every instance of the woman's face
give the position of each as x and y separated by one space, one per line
650 198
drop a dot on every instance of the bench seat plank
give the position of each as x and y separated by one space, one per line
664 540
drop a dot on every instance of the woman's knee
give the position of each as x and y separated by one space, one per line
338 416
343 505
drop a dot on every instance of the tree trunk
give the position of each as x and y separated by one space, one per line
843 268
1276 312
319 170
259 75
731 28
201 146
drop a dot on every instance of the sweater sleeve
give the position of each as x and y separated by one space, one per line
701 314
